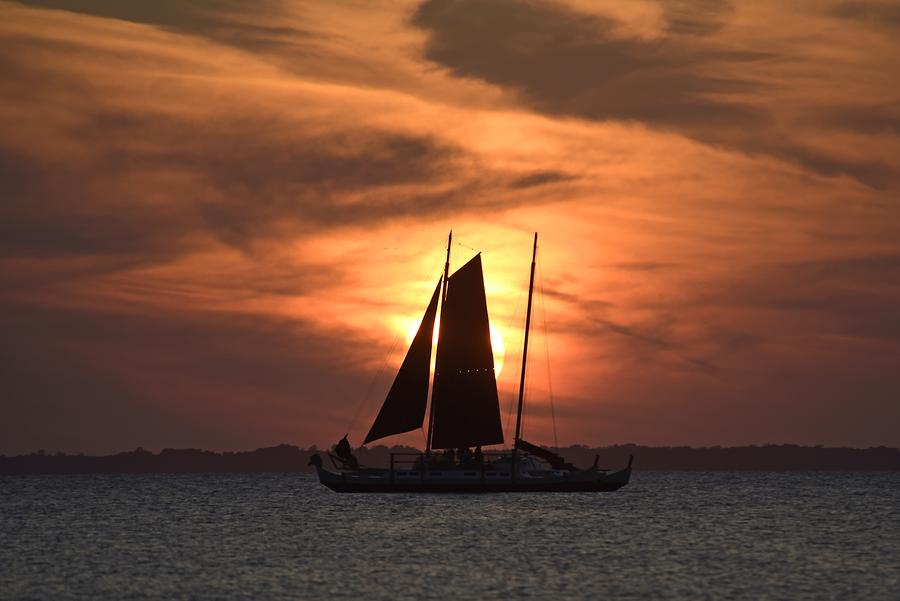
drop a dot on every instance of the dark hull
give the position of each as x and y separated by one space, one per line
602 483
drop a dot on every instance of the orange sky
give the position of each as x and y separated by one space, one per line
220 218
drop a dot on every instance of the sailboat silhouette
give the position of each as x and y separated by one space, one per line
464 411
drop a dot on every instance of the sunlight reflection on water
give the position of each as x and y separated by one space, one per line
665 536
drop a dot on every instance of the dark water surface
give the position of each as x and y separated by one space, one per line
669 535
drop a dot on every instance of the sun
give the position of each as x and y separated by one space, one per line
499 349
497 345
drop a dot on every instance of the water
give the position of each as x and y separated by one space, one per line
665 536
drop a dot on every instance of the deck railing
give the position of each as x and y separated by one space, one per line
435 462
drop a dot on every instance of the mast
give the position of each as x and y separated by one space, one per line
443 298
524 357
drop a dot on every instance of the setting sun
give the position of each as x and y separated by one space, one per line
497 345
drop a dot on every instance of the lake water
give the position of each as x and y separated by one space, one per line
258 536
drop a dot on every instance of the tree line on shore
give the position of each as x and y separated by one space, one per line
286 458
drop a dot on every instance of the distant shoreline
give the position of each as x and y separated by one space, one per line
288 458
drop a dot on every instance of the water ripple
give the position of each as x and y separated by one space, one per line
666 536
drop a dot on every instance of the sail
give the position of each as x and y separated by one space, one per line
466 407
555 460
404 408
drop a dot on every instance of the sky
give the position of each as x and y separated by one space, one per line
219 220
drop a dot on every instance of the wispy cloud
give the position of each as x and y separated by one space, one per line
218 220
701 76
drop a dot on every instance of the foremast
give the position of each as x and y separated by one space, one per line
443 299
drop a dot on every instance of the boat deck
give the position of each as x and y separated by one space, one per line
462 479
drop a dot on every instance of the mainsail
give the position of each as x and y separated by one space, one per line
404 407
466 406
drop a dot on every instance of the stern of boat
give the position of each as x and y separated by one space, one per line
616 480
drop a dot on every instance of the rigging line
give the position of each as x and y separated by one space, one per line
364 400
395 343
547 355
456 263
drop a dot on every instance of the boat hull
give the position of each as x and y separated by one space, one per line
577 482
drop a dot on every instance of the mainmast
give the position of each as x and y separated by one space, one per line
524 357
443 299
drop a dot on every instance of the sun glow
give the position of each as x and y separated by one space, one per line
497 346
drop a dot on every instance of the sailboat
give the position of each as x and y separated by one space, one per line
464 411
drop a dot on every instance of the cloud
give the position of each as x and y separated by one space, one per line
564 62
870 119
850 296
632 333
171 176
540 178
697 17
100 381
645 266
220 20
568 63
223 148
215 218
883 14
53 210
652 348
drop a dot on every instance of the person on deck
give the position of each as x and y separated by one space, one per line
465 455
345 453
479 456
